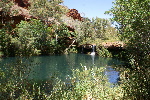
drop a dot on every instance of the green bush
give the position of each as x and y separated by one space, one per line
6 46
103 52
28 36
135 84
34 38
86 84
1 53
132 18
83 84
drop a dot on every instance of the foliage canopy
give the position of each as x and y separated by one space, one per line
134 24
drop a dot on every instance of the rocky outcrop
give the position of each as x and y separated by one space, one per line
114 45
74 14
18 12
21 12
22 3
70 18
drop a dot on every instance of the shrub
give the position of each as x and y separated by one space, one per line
86 84
6 46
103 52
83 84
135 84
133 24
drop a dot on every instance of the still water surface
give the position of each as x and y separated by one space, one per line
43 67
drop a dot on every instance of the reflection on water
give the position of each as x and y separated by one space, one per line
43 67
113 76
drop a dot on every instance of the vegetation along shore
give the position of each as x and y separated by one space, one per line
46 27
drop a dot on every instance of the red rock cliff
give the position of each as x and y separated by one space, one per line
23 13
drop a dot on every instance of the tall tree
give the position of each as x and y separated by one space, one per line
134 24
100 25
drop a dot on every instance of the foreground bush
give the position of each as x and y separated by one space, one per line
135 84
133 25
87 84
83 84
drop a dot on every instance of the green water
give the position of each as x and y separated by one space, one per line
44 67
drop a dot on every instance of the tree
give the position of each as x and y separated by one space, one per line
46 10
32 37
134 24
87 29
100 26
28 37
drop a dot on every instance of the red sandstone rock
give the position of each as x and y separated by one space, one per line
74 14
21 13
22 3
